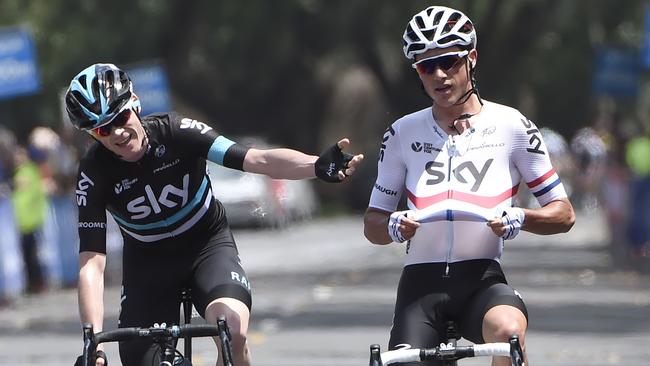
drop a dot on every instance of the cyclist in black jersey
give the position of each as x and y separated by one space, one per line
149 173
459 164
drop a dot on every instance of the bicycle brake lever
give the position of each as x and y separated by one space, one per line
375 355
516 353
88 358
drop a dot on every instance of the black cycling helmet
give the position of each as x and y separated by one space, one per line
98 94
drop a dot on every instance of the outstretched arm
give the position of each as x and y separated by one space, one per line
285 163
280 163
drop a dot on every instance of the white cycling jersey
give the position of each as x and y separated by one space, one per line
456 183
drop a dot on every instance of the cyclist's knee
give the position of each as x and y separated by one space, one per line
507 329
502 322
237 316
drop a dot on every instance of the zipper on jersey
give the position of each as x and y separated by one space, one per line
450 246
450 224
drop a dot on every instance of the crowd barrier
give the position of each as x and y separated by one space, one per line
58 247
12 278
61 242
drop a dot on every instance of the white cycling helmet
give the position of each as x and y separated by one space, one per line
438 27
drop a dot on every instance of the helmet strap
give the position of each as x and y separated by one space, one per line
471 75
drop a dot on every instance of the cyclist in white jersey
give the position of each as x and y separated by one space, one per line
459 163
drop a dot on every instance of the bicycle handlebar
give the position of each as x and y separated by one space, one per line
91 340
447 352
175 331
423 354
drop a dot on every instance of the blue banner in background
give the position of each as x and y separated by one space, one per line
616 72
18 66
645 42
151 86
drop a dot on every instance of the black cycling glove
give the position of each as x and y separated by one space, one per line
330 162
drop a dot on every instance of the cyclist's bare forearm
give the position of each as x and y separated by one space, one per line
554 218
91 288
280 163
375 226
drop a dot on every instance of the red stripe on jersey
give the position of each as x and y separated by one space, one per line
483 201
541 179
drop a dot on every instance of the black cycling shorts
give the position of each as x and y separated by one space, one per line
153 277
427 301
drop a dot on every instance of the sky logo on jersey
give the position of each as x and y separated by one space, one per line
438 175
142 206
82 186
535 139
192 123
389 132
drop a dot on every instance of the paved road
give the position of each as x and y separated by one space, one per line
322 294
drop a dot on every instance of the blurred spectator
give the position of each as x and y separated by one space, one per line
561 157
63 162
590 156
616 201
637 156
57 160
43 143
29 200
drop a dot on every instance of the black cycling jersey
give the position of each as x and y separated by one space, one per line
164 195
175 232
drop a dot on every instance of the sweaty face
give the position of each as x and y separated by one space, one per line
447 83
126 141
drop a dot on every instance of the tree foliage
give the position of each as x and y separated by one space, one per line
273 67
266 67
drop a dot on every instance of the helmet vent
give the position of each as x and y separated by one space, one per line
420 22
428 33
414 47
453 19
411 34
467 28
436 18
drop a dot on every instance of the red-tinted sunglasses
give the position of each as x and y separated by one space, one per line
445 62
118 121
